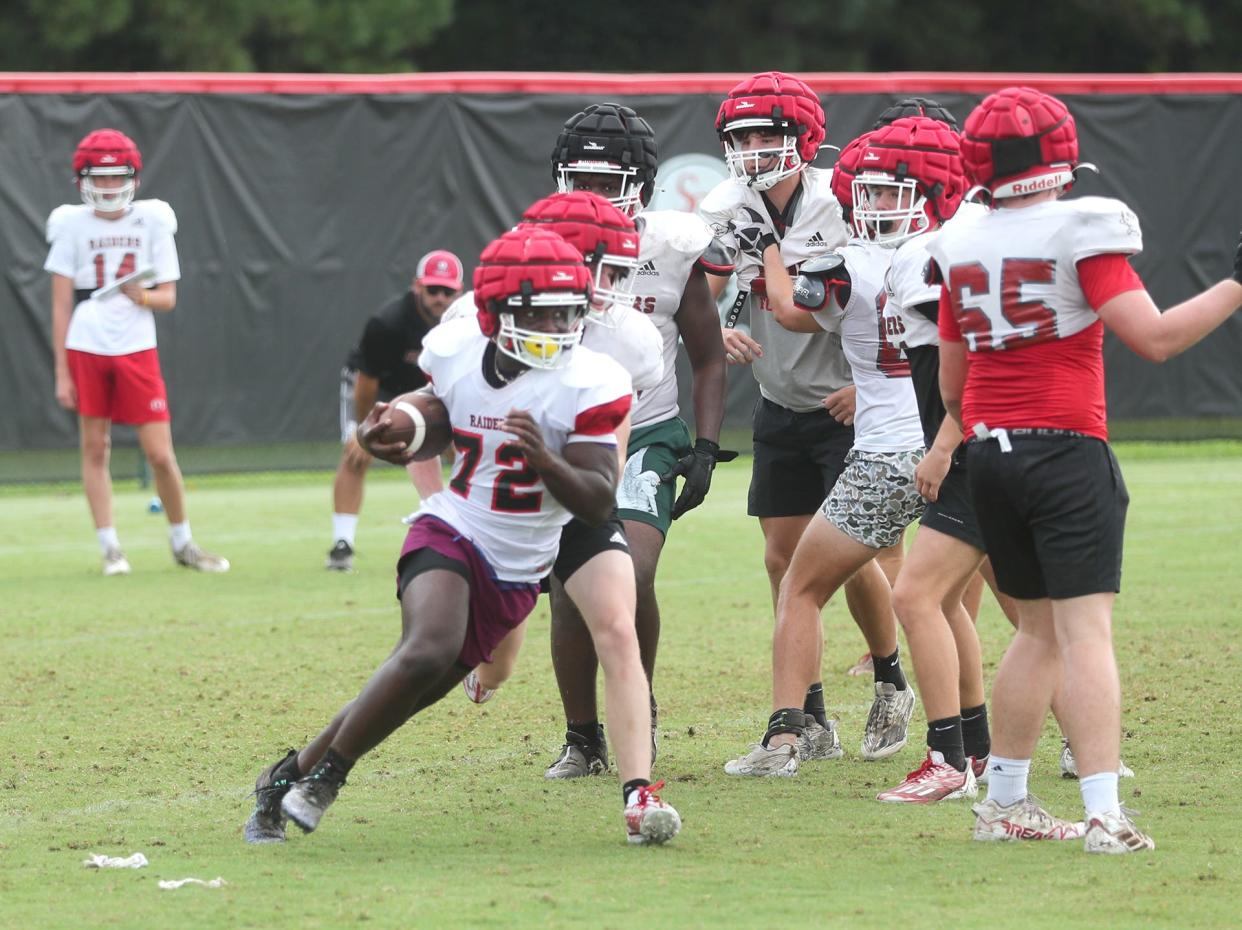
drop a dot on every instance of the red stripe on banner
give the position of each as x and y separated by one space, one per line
603 419
536 82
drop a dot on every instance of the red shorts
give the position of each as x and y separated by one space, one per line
120 388
496 607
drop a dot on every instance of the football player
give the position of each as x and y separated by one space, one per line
902 186
609 149
535 416
771 127
113 263
1026 292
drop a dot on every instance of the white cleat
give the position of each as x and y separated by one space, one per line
1022 820
1115 834
115 563
1069 768
650 821
778 761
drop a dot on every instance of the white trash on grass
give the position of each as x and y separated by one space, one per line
98 861
214 883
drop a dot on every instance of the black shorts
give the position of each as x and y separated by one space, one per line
1052 513
798 458
581 542
952 513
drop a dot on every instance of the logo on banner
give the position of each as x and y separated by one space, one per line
684 180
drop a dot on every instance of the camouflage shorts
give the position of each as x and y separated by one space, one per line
875 498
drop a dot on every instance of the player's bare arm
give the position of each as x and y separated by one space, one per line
697 322
953 365
584 478
1156 336
161 298
62 309
929 473
781 294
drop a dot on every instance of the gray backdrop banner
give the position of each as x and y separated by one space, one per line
300 215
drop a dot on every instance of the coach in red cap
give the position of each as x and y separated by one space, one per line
383 365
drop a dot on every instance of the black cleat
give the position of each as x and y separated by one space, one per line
340 557
579 757
267 823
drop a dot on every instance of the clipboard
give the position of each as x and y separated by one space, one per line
138 277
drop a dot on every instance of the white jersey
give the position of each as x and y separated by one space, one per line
1009 301
796 370
907 286
494 498
632 340
669 243
94 252
886 414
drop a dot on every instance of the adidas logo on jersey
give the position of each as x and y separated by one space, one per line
648 268
817 240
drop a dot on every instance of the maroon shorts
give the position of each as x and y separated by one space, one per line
120 388
496 607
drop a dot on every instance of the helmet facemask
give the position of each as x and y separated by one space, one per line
108 199
888 210
760 168
542 348
627 196
613 277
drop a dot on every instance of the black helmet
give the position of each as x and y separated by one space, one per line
916 106
608 138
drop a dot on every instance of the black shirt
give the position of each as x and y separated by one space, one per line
389 348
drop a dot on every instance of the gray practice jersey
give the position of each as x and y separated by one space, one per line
797 370
670 242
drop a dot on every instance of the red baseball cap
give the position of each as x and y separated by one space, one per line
439 269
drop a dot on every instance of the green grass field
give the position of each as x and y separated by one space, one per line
135 713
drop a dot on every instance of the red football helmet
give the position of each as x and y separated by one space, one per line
606 237
843 174
532 269
107 153
1020 141
777 102
908 179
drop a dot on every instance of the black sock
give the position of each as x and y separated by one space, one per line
590 731
888 669
975 735
814 704
333 767
632 785
945 737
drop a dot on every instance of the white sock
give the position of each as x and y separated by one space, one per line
1099 793
107 539
179 533
344 525
1007 779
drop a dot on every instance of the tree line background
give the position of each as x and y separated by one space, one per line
639 35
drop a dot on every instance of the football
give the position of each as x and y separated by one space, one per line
421 420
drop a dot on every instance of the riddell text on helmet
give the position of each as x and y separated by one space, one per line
1047 182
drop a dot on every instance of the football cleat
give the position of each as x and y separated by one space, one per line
887 722
650 820
191 556
1115 833
1069 768
267 822
819 743
655 729
1023 820
475 691
115 563
305 802
934 780
777 761
340 557
579 758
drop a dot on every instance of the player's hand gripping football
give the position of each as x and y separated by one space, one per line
696 468
370 436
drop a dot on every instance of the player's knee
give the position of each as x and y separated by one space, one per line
909 604
162 460
776 562
615 635
421 659
96 449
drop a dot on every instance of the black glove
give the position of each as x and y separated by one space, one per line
753 233
696 468
1237 262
